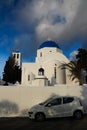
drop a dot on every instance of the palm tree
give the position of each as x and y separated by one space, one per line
75 70
82 58
76 67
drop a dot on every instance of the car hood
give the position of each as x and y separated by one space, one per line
37 107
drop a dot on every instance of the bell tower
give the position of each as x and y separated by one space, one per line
17 57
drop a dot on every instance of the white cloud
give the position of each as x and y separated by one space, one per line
73 55
60 20
49 18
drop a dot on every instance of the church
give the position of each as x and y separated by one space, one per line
46 70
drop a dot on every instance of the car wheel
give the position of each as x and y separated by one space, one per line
78 115
39 117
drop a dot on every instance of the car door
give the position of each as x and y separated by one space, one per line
54 108
68 105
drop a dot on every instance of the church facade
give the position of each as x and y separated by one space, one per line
46 70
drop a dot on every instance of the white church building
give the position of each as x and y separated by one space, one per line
46 70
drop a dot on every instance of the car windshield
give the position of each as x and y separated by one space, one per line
42 103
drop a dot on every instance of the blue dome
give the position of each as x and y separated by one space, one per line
49 44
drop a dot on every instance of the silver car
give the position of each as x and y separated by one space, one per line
57 107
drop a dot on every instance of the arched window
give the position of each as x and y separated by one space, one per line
14 55
17 56
41 71
28 77
40 54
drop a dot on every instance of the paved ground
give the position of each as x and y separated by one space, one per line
51 124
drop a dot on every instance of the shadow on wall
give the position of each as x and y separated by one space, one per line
8 108
24 112
53 81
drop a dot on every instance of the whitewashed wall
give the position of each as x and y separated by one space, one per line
16 100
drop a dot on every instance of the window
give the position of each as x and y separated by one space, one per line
41 71
17 56
28 77
14 55
54 102
41 54
55 72
67 100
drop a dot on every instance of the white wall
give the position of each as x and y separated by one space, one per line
16 100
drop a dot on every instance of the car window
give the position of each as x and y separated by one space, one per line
56 101
42 103
67 100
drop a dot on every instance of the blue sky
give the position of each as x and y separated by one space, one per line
25 24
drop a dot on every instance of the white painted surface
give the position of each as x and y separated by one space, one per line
47 58
16 100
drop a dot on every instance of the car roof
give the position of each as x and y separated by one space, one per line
63 97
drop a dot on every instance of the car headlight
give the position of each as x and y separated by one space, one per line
30 113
